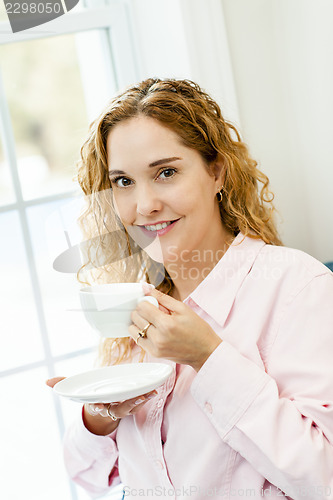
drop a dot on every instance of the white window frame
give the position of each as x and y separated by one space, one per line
112 20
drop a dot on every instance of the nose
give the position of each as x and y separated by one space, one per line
147 201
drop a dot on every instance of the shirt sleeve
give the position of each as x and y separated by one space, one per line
91 461
280 420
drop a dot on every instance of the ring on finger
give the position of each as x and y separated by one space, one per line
143 333
111 415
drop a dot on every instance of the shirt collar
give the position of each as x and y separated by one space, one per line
216 293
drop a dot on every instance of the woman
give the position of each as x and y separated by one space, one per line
246 323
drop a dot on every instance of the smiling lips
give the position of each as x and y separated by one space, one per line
158 229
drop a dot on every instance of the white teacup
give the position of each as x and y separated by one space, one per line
108 307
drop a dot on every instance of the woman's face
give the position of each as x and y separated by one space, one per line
162 190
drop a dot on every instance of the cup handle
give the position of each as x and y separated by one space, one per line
147 298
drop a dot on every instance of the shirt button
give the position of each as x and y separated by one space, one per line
160 403
209 408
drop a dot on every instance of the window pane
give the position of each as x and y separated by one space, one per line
44 91
68 330
20 339
6 186
30 446
72 410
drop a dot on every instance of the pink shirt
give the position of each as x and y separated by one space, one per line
257 419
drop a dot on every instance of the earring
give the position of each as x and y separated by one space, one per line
219 195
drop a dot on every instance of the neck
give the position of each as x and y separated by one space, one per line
187 273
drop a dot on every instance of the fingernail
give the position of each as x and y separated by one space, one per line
147 287
139 401
151 396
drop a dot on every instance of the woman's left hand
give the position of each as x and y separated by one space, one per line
176 331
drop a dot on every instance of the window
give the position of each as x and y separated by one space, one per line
52 83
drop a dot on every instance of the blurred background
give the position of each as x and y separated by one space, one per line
269 64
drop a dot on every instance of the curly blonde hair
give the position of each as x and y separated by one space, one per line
186 109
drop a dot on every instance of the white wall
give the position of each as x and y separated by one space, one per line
269 64
185 39
159 38
281 53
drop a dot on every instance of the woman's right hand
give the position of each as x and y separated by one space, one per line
96 416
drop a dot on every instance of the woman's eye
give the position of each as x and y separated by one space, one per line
121 181
168 172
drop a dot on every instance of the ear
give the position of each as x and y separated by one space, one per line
218 169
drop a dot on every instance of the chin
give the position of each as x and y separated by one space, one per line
155 252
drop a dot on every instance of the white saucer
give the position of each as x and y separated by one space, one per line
114 383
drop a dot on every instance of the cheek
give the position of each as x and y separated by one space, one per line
189 205
183 201
122 208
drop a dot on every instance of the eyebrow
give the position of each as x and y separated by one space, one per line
153 164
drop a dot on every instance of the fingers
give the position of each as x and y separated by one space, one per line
99 409
157 316
120 409
135 404
164 309
166 301
140 322
96 409
51 382
149 313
